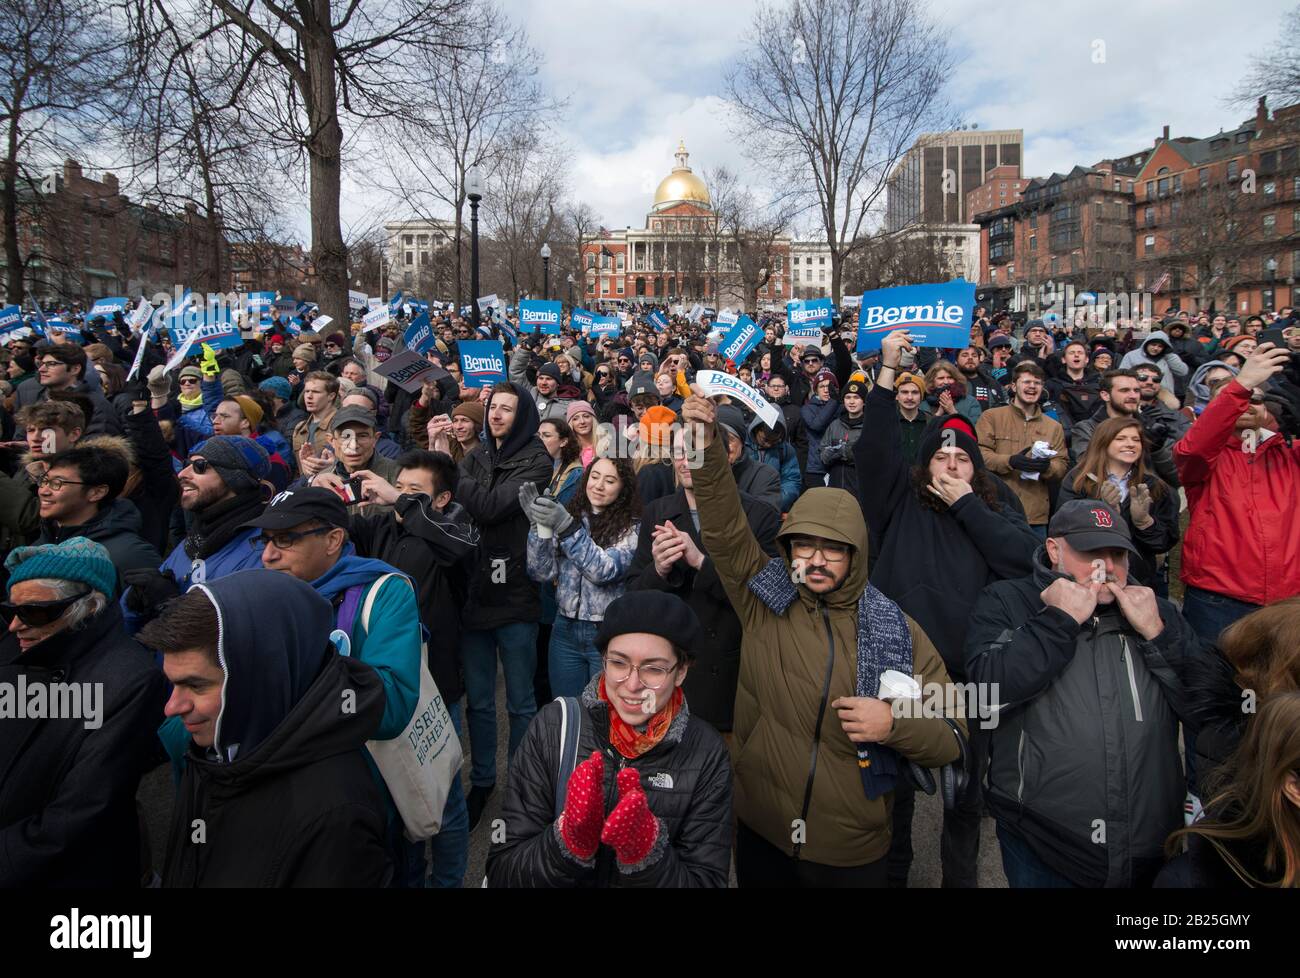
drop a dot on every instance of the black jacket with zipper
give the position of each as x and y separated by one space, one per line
301 809
67 793
1084 762
687 781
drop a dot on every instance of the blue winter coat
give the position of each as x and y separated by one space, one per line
587 577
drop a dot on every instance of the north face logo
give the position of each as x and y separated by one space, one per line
662 780
1102 518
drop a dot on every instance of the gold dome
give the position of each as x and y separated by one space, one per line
681 184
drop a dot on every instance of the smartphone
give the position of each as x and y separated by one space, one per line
1274 336
350 491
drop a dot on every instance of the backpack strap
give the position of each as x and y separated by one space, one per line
347 612
570 733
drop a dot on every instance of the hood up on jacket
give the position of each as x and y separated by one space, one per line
521 434
351 570
269 660
833 514
1200 391
1157 336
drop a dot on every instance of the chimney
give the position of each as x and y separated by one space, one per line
1261 111
1165 136
110 182
71 170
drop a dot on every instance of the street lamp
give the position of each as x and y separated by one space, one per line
474 191
546 270
1271 267
570 280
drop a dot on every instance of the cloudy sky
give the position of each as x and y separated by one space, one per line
638 81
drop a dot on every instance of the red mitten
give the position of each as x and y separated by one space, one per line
631 829
584 807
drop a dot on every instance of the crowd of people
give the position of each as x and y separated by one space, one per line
1052 577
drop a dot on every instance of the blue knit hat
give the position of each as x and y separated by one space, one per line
75 559
277 387
241 462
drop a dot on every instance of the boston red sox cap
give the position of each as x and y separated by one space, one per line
1090 524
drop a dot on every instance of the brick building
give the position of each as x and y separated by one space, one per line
86 239
1002 188
1074 228
258 266
679 256
1218 219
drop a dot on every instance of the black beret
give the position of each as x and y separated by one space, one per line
654 613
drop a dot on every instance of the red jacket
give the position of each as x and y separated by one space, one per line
1244 537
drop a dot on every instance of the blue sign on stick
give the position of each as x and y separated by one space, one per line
539 314
935 315
482 362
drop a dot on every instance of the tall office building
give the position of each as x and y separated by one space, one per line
930 183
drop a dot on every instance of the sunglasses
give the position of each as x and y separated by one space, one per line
200 465
38 614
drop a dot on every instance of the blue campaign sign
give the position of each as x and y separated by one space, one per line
806 320
539 314
260 301
658 320
419 335
744 336
935 315
69 330
213 328
606 327
11 319
395 303
582 319
481 362
106 307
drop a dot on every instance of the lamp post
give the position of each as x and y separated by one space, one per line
1271 267
546 270
570 280
474 191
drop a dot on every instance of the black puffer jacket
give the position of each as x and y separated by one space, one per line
501 591
67 794
687 780
710 684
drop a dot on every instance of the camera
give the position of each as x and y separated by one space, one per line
350 491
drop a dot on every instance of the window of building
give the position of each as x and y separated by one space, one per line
591 261
1203 177
406 280
408 240
821 276
410 260
591 288
424 259
1149 243
1056 266
795 260
1243 136
1162 187
821 260
1011 271
1270 223
1178 183
1270 188
1033 220
1033 242
424 241
796 275
604 262
620 263
1232 169
1148 216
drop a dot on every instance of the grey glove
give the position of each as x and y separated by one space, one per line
545 511
160 384
528 496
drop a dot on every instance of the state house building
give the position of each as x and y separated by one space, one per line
677 256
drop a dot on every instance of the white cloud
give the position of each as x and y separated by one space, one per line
639 77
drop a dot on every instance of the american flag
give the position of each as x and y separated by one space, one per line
1161 282
606 232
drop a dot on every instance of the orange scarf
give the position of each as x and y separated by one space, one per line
629 741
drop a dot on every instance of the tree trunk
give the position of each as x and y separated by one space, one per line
325 150
13 259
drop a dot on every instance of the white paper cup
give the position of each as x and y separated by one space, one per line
543 532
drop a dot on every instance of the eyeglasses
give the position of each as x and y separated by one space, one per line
56 483
50 363
831 552
651 676
284 539
38 614
200 465
189 380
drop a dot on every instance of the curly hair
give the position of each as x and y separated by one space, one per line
981 483
615 520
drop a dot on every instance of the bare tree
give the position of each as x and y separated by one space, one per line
884 260
748 232
478 102
527 195
1275 72
59 88
579 224
840 89
310 67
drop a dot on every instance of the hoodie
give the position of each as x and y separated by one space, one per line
1170 363
490 477
1199 389
117 528
284 792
